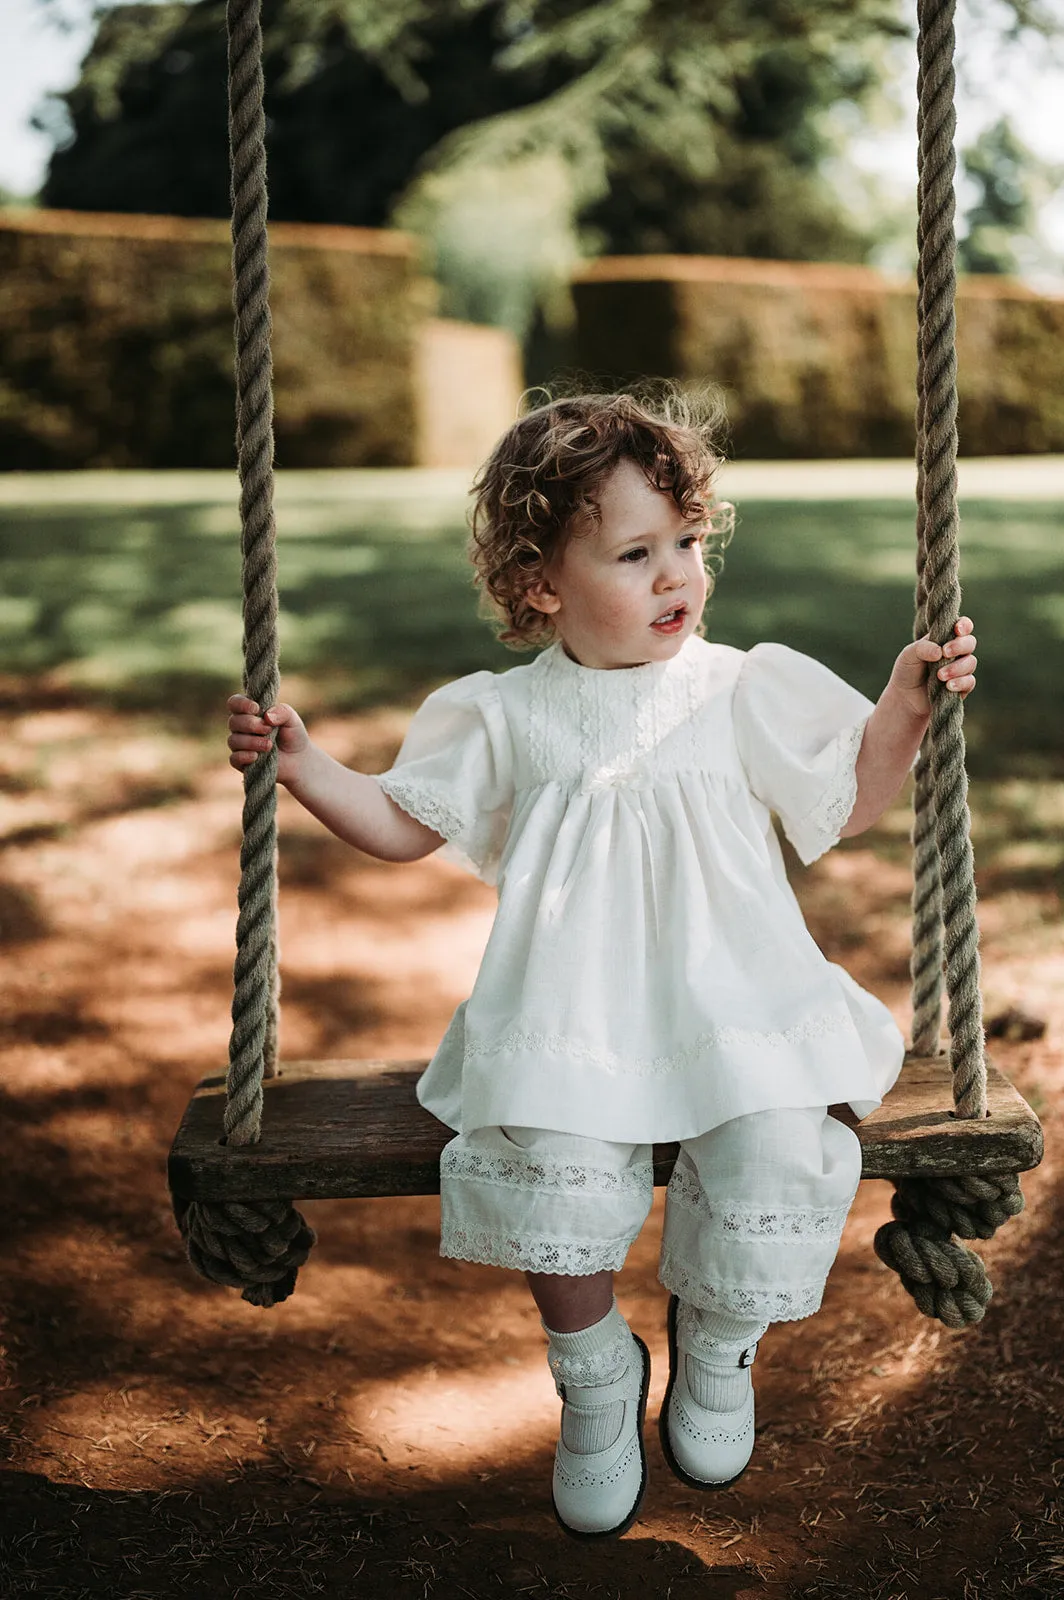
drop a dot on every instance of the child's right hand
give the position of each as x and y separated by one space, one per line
250 735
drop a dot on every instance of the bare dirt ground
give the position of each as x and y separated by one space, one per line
389 1430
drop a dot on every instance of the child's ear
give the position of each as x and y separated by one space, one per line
541 596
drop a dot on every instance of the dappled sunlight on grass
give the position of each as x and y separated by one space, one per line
136 602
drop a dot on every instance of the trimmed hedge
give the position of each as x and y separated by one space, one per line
116 343
820 360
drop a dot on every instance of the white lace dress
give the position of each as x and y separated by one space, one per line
649 975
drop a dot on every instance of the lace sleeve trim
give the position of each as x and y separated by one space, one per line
426 801
822 827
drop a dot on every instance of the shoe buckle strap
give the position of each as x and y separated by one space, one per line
592 1395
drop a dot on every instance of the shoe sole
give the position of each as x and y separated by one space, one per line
622 1527
663 1417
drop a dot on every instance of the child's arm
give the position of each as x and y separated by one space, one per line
896 727
349 803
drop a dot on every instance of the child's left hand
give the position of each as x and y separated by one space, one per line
956 666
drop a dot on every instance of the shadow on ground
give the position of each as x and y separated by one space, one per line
388 1431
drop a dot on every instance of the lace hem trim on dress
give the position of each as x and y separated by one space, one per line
575 1258
539 1175
747 1222
558 1044
790 1304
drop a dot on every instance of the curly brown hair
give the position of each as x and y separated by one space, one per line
538 487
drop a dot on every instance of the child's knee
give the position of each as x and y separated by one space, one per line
804 1140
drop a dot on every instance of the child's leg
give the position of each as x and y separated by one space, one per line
565 1210
569 1304
754 1213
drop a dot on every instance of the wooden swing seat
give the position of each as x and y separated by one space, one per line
353 1129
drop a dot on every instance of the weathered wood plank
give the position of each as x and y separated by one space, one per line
347 1129
914 1132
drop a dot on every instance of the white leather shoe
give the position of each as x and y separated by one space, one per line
598 1496
706 1449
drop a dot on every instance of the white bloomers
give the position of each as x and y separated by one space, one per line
753 1216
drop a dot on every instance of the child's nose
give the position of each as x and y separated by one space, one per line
671 576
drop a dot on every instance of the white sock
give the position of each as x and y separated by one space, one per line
587 1359
715 1341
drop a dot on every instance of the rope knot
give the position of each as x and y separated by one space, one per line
257 1246
946 1279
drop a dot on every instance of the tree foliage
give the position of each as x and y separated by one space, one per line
514 135
687 126
352 110
1009 180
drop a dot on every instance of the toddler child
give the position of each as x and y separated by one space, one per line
648 976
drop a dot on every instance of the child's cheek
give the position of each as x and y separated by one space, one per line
617 607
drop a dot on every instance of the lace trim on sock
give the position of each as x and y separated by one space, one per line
740 1221
741 1300
587 1371
539 1174
576 1258
705 1346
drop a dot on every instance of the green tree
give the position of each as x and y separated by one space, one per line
513 135
680 119
1009 178
357 94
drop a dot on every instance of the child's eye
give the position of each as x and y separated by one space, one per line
634 555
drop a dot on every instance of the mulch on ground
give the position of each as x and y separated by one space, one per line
389 1430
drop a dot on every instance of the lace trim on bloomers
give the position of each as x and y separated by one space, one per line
833 810
427 801
752 1222
540 1175
817 1027
572 1258
760 1304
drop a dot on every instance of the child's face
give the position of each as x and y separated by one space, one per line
632 589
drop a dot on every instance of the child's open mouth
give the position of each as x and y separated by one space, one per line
671 622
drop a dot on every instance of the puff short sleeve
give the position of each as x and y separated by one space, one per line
799 729
454 772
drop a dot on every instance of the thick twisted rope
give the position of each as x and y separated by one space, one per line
946 1280
257 1247
925 965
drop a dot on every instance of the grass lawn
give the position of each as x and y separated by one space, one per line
130 596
